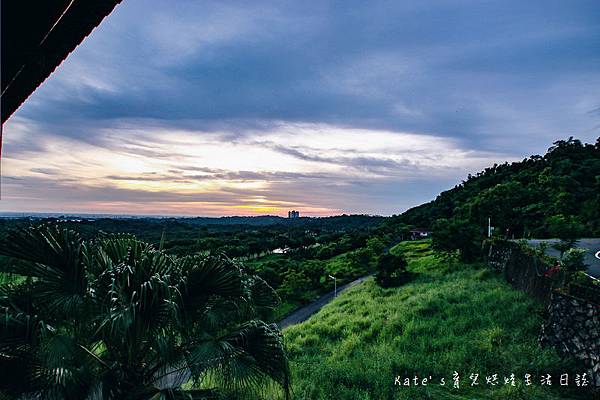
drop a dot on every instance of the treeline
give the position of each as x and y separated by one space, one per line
183 236
541 197
300 275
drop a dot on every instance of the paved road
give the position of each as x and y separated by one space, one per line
300 315
175 379
592 246
303 313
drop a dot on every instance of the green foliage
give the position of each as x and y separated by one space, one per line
360 260
299 280
563 245
376 245
541 249
573 260
583 279
294 286
523 198
503 202
449 258
241 237
439 322
455 234
270 272
413 249
564 227
391 270
116 317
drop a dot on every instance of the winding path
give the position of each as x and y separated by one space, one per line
303 313
175 379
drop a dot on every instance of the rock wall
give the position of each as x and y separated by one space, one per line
522 270
573 328
572 325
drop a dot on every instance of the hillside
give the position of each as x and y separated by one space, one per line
527 198
459 318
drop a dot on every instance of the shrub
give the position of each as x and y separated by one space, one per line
456 234
391 270
295 286
572 260
359 260
564 227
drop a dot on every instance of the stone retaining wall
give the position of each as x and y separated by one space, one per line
522 270
573 328
572 325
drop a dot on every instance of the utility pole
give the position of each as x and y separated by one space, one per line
334 285
489 227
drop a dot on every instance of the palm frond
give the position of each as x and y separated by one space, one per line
43 244
206 277
52 257
115 317
250 356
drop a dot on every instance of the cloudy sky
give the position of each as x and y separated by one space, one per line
245 108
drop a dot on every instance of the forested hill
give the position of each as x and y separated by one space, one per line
536 197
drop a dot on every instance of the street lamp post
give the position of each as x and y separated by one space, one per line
334 285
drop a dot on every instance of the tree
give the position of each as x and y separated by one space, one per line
520 196
295 285
456 234
376 245
269 271
573 260
314 270
359 260
566 228
503 203
118 319
391 270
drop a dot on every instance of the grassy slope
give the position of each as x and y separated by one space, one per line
461 318
337 266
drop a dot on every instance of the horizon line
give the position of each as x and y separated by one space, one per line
24 214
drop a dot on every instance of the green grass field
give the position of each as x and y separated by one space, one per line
338 266
461 318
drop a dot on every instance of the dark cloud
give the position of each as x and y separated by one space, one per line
370 164
501 76
46 171
461 69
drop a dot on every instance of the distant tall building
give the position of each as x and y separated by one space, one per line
293 214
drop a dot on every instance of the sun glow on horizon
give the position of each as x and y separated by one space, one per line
287 166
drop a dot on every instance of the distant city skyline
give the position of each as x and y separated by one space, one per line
236 108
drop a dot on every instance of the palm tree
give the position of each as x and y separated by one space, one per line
114 318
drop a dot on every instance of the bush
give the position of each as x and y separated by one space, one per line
391 270
295 286
455 234
270 273
359 261
564 227
572 260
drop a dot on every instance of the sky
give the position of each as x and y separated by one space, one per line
327 107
